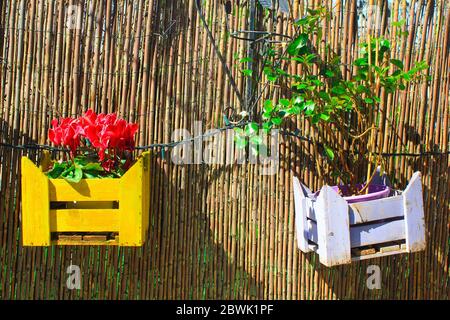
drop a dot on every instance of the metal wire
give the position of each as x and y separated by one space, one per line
295 134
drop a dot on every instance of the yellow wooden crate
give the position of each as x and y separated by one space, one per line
117 206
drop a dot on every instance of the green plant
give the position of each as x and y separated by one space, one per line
340 104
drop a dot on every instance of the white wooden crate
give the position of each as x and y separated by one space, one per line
339 232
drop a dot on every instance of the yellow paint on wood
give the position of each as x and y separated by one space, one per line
85 190
89 208
35 206
130 206
84 220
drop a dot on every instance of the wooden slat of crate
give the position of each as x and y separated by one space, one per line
85 190
84 220
380 251
87 243
362 212
363 252
377 255
35 218
69 238
374 233
368 234
395 247
95 238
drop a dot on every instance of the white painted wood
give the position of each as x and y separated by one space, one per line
311 209
300 216
332 228
312 231
306 191
364 235
414 214
362 212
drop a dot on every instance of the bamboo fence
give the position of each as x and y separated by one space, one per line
216 230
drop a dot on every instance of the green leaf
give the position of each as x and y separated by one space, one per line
298 100
399 23
360 89
325 117
241 142
277 121
361 62
407 75
329 73
385 44
316 118
368 100
397 63
247 72
74 176
297 44
267 126
57 170
310 57
90 175
256 140
338 90
324 95
301 22
246 59
93 166
285 102
267 115
281 72
251 128
271 76
329 152
254 150
268 106
80 161
309 105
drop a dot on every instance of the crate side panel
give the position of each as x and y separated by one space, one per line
300 217
35 205
130 206
332 228
414 215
